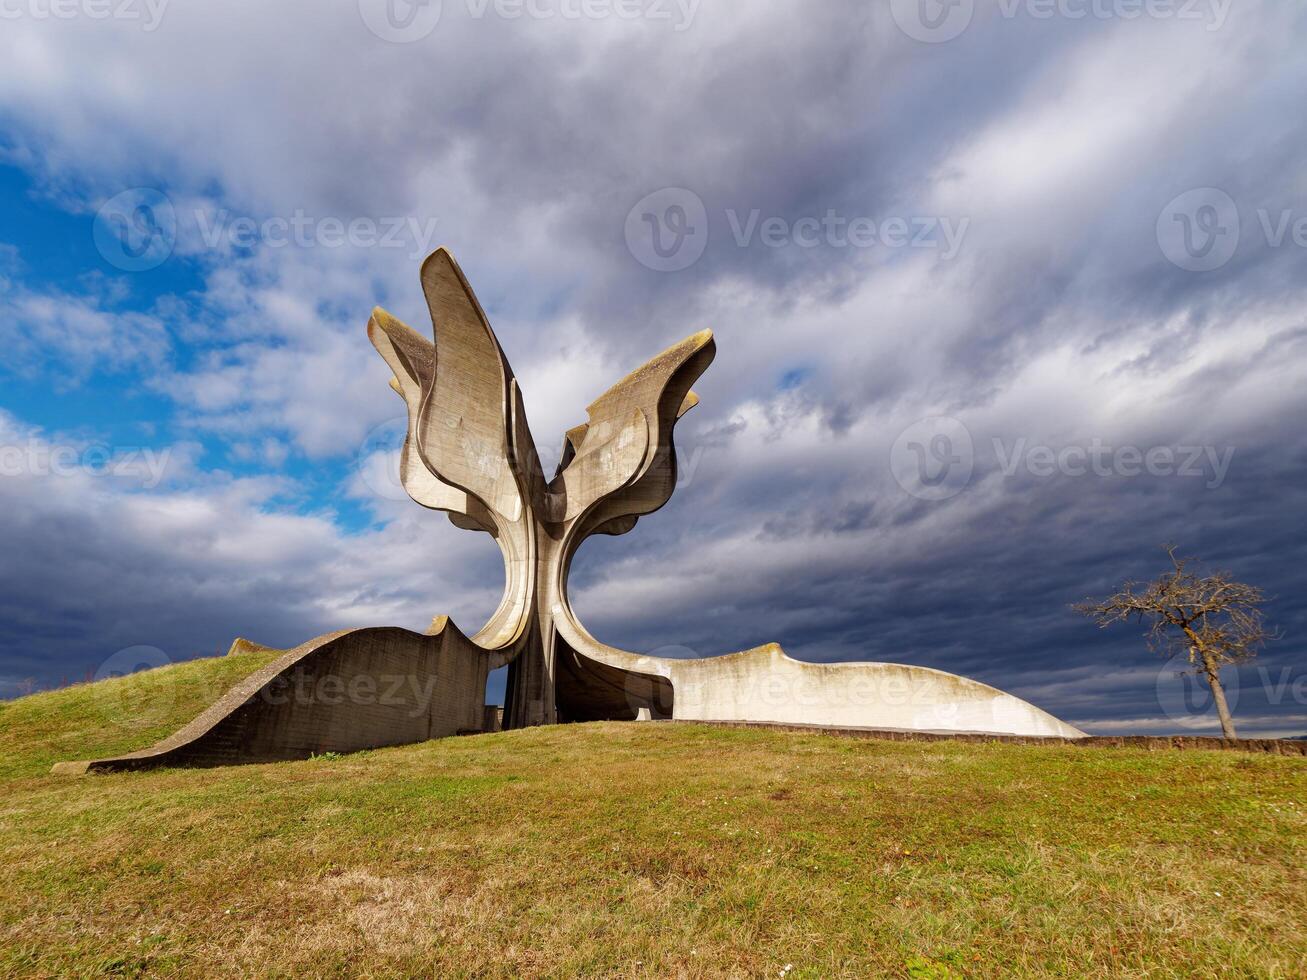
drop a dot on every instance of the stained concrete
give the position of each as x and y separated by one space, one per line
765 685
345 691
469 452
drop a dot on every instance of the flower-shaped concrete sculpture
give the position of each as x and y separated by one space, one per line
469 452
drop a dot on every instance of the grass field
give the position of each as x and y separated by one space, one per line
638 850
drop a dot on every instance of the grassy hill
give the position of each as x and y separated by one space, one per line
637 850
89 721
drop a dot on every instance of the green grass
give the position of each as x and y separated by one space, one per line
91 721
643 850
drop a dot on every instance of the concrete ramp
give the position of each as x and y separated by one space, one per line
341 692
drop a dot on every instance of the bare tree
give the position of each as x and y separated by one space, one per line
1212 619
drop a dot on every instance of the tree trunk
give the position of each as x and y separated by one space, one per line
1218 695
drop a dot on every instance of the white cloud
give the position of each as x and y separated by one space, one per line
526 144
68 337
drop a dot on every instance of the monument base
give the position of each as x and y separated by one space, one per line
384 686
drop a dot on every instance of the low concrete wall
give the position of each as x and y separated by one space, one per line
341 692
1151 743
766 685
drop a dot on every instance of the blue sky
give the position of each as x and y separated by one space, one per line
1061 257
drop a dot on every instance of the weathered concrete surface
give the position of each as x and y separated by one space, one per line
341 692
765 685
469 452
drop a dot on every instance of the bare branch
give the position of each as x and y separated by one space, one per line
1212 618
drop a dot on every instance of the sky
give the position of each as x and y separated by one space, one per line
1007 296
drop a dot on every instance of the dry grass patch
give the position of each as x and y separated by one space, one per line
660 850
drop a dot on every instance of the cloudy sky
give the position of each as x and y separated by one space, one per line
1006 294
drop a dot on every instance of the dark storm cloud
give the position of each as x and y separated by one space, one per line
1054 146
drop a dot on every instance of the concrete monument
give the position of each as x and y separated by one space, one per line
469 452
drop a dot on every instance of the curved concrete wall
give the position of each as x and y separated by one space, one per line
765 685
369 688
469 452
356 689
